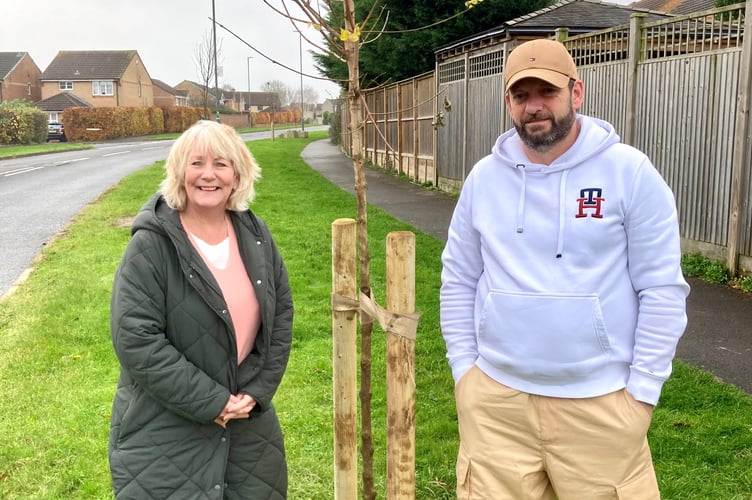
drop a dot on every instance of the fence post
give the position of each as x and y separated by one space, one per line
633 55
739 163
400 366
400 141
344 360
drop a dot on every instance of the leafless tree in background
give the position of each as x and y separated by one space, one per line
285 93
204 58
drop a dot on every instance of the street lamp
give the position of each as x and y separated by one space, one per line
248 60
300 50
216 77
250 121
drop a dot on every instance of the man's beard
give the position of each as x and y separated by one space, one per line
559 130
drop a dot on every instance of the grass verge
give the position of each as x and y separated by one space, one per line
35 149
59 372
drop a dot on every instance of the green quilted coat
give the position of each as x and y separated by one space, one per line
173 336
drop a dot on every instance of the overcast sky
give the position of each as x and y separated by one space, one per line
166 33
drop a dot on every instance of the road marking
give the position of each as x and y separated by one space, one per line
155 147
69 161
118 153
20 171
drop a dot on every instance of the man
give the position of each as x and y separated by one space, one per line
562 299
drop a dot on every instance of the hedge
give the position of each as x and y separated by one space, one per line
22 123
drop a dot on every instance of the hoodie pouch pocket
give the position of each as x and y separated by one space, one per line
543 336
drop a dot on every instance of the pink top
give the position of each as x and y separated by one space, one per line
238 294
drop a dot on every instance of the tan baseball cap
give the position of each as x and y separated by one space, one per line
544 59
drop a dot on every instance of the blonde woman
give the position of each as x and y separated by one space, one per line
201 322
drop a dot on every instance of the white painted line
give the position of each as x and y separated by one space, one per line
118 153
20 171
69 161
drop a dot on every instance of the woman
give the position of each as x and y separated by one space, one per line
201 322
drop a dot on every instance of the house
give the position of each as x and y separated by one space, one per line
675 7
55 105
578 16
19 77
330 105
230 99
104 78
198 95
256 101
167 96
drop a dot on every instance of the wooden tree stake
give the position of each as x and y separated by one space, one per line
400 366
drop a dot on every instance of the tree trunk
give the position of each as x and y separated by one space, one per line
352 54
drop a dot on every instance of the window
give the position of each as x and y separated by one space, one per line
63 85
28 89
53 117
101 88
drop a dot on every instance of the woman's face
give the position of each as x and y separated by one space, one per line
209 180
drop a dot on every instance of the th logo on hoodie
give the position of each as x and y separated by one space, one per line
590 199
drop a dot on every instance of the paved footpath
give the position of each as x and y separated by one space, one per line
719 332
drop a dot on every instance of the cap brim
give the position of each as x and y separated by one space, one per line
553 77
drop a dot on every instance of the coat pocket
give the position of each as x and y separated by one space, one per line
463 471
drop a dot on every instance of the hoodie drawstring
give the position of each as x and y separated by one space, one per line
521 204
562 207
562 203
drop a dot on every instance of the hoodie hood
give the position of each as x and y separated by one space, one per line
595 136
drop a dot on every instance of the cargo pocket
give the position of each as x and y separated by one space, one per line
464 469
642 487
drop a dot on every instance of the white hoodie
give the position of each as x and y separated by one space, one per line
564 280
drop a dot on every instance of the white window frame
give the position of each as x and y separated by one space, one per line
102 88
53 117
65 85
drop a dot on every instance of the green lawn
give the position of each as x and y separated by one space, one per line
58 370
35 149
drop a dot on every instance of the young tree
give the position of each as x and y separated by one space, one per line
347 26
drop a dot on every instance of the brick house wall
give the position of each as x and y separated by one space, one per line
22 82
133 88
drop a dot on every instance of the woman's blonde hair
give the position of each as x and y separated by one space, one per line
218 140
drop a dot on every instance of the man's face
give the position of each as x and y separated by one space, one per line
542 113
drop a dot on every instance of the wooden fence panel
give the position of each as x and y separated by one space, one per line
686 127
606 93
450 125
485 118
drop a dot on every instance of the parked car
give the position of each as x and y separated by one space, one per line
56 131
